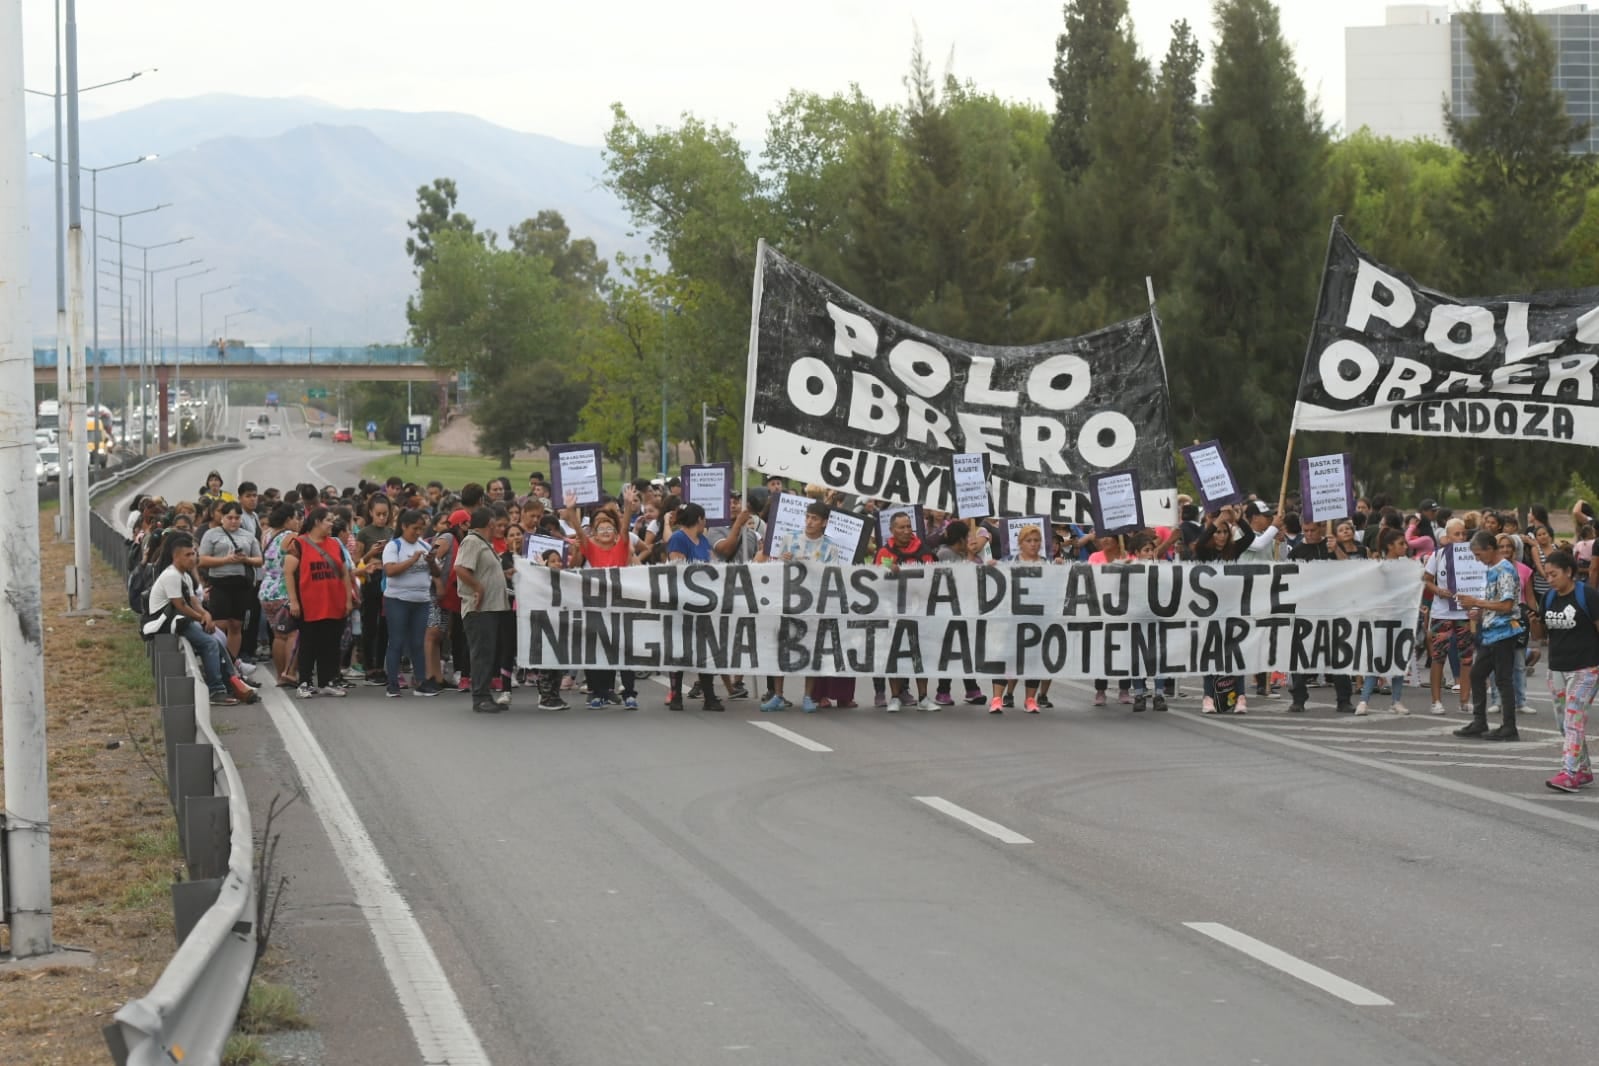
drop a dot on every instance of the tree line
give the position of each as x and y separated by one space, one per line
1001 222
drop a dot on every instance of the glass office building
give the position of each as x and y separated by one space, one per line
1575 30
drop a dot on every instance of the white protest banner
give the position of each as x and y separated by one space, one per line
1117 503
971 485
1464 574
1010 534
1208 466
575 468
958 620
846 396
1389 355
1327 487
711 486
536 545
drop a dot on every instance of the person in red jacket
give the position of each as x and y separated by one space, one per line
904 548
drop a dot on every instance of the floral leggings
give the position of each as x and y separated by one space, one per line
1574 691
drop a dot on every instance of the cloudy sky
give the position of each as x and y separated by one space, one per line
555 67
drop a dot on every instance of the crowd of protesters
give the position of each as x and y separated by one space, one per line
410 587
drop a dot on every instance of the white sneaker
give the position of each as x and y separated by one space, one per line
245 669
1242 707
305 691
1362 709
503 698
1525 710
331 690
1399 708
927 704
1436 708
894 705
1493 708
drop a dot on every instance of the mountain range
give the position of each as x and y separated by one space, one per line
301 207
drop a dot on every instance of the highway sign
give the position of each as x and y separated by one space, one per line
411 443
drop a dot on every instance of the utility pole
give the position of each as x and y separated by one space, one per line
83 572
22 728
63 397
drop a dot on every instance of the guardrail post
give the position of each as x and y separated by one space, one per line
190 901
179 727
196 776
206 836
162 642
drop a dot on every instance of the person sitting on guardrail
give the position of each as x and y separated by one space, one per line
174 607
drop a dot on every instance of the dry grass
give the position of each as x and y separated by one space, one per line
114 848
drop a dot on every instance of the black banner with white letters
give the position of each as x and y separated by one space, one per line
857 400
1389 355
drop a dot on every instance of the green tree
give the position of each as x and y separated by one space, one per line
1522 189
1179 86
1085 57
435 214
575 262
498 314
1252 246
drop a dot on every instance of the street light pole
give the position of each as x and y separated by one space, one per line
121 288
177 334
63 401
22 711
82 569
203 295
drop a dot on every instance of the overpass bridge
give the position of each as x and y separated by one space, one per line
254 363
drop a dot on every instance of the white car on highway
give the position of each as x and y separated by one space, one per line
257 431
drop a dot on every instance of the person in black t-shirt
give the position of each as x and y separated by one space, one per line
1568 615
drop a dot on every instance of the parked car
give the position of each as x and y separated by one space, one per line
257 431
342 435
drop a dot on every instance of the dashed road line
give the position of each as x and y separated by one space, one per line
976 821
1291 965
789 735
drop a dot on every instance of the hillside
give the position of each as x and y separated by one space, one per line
302 207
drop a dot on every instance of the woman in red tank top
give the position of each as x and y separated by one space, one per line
319 596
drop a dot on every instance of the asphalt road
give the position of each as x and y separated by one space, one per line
612 887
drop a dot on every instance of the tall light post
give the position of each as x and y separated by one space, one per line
127 331
177 334
22 709
147 312
63 393
203 342
229 317
122 270
94 208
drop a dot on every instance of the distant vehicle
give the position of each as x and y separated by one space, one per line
48 468
100 442
274 430
49 416
257 431
314 431
342 435
263 419
272 400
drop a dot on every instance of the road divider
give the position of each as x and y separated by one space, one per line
1291 965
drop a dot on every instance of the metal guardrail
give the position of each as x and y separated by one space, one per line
188 1014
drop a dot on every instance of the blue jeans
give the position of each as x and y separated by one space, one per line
1396 684
1140 685
407 625
206 646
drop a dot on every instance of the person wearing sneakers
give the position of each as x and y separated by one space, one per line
689 544
809 545
408 569
1391 545
1448 628
602 544
174 607
905 548
1568 618
1146 549
1029 552
483 595
320 598
1496 638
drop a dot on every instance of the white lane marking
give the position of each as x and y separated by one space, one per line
438 1023
1458 787
789 735
1291 965
976 821
1470 765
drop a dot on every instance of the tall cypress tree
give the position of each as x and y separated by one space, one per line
1179 84
1522 188
1084 58
1254 238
